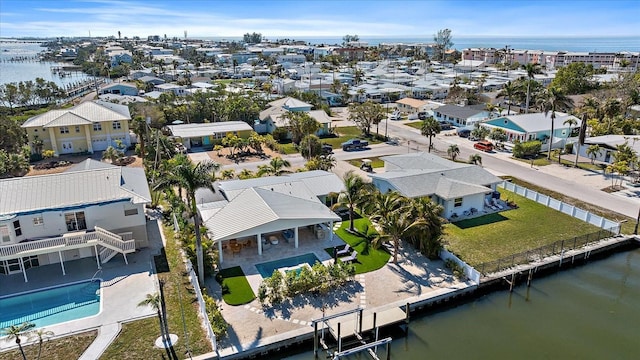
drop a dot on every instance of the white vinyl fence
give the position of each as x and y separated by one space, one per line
203 312
471 273
568 209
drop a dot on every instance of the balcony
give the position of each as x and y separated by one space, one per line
122 243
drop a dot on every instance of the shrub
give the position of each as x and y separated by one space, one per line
218 323
455 268
526 149
280 134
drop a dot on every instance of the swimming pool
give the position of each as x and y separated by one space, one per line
51 306
266 269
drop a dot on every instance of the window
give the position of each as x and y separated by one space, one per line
38 220
64 130
16 228
97 127
77 129
116 125
75 221
129 212
4 233
457 202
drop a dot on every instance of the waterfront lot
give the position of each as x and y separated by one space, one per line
493 236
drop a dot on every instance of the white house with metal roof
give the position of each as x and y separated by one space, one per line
262 208
208 134
87 127
275 116
457 187
609 145
91 210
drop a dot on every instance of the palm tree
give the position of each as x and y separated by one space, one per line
430 128
352 195
275 167
111 154
475 159
391 213
192 177
42 334
508 91
571 122
427 233
453 151
14 332
554 99
139 127
227 174
246 174
531 69
154 301
593 151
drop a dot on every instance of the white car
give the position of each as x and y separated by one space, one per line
395 116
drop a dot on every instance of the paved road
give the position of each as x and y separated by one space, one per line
570 184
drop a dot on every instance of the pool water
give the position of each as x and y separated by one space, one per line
51 306
266 269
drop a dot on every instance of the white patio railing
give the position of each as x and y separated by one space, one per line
98 237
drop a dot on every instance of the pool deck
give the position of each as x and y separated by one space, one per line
123 287
254 328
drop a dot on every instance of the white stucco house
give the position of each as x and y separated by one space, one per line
457 187
93 209
274 116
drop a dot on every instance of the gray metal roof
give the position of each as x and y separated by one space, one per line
431 175
536 122
73 188
259 210
459 112
318 182
205 129
85 113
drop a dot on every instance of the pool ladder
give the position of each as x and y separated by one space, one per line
94 275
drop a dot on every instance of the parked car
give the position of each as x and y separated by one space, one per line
483 146
393 141
354 144
464 133
445 125
327 149
396 115
422 115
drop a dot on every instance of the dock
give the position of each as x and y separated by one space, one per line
347 326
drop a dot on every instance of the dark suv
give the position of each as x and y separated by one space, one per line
327 149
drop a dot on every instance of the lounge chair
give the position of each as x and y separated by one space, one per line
488 204
350 258
344 252
497 204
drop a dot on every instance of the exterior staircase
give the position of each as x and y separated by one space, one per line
106 254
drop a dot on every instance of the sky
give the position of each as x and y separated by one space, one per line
315 18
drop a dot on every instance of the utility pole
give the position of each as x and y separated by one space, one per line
635 230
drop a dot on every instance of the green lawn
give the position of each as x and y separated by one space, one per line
235 287
136 339
415 124
375 162
498 235
372 260
287 149
539 160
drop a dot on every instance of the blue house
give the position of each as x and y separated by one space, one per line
536 126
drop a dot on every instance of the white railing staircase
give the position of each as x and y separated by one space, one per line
117 243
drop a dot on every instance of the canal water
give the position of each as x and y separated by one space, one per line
588 312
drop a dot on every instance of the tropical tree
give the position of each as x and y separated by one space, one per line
475 159
442 42
353 194
366 114
139 127
593 151
227 174
41 334
430 128
14 332
246 174
391 213
111 154
532 69
554 99
300 124
321 162
276 167
310 146
154 301
479 132
192 177
428 230
453 151
571 122
498 135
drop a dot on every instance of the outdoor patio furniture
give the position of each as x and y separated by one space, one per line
350 258
497 204
236 248
273 240
488 204
344 252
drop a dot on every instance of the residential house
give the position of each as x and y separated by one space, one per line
608 146
261 209
410 105
273 117
119 89
178 90
92 210
87 127
536 126
465 116
208 134
459 188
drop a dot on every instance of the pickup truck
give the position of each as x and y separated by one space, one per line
355 144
